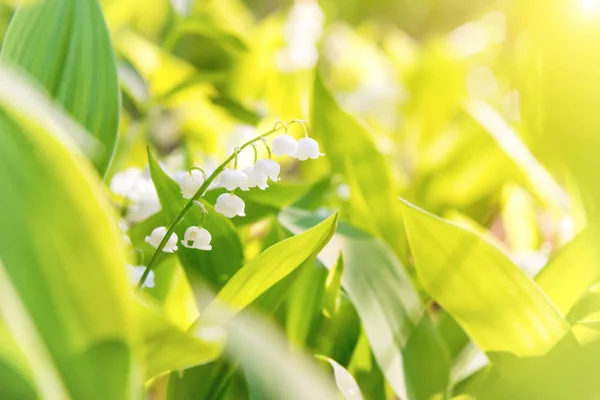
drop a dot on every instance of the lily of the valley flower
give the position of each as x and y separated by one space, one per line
267 167
199 237
232 179
307 148
284 145
136 272
157 236
230 205
191 183
255 179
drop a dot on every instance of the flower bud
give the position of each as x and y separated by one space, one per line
190 183
230 205
307 148
137 271
199 237
255 179
284 145
267 167
232 179
157 236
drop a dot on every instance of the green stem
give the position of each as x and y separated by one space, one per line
173 224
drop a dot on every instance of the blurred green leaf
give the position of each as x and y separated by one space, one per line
498 306
569 369
303 302
571 272
75 290
168 348
268 268
271 367
216 266
347 141
344 381
65 46
388 306
331 301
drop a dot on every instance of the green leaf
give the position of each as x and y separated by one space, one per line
348 142
344 381
65 46
270 366
569 369
268 268
303 301
497 305
333 285
572 271
168 348
216 266
387 303
75 292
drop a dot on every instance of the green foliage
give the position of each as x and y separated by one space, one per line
71 293
331 286
65 46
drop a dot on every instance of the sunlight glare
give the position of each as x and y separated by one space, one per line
590 6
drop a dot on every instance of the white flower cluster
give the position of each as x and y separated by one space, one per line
228 204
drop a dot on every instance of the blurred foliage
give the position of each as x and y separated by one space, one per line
483 282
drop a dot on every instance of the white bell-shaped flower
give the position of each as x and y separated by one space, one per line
307 148
267 167
255 179
157 236
284 145
230 205
190 183
197 238
232 179
136 272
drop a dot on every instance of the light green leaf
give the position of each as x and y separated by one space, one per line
303 301
572 271
348 142
333 285
344 381
268 268
75 291
270 368
168 348
216 266
388 305
64 45
534 174
498 306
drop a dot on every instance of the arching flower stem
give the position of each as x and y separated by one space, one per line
173 224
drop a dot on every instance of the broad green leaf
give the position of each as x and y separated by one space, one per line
303 300
216 266
331 301
15 372
64 45
29 350
571 272
344 381
541 182
168 348
346 140
568 370
268 268
497 305
51 204
387 303
271 367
